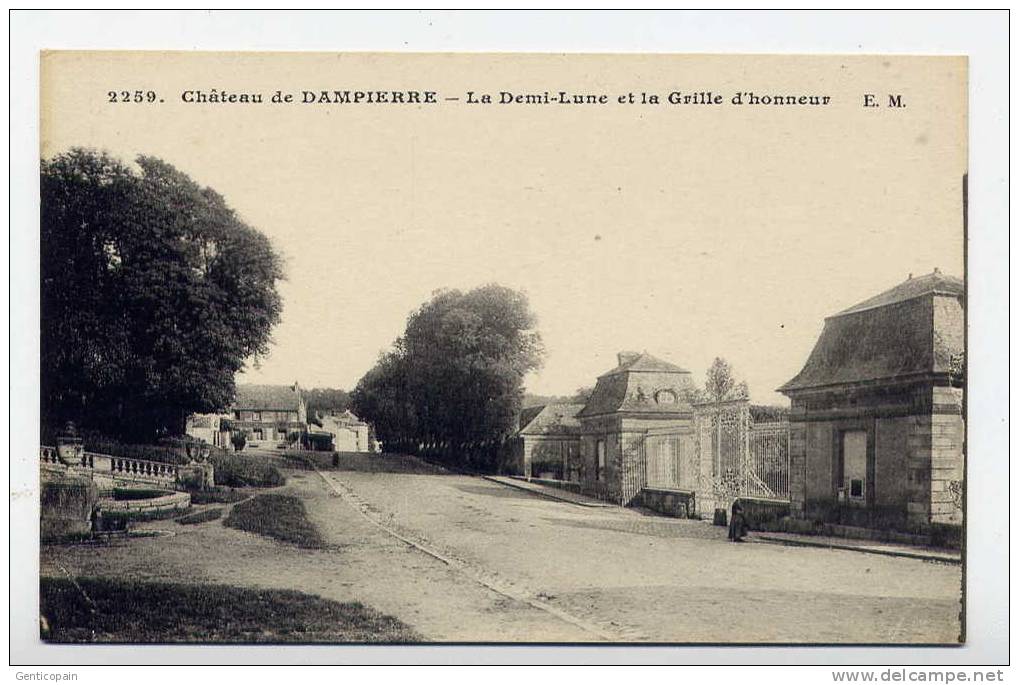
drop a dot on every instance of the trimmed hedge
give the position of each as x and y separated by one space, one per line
281 517
240 470
161 453
201 516
131 494
221 495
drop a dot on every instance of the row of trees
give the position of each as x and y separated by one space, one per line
325 400
454 380
153 294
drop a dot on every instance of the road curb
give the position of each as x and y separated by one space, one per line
346 493
547 495
888 552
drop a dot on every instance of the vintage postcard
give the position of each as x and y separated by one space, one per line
502 348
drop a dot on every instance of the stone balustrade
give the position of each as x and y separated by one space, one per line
48 455
119 468
137 469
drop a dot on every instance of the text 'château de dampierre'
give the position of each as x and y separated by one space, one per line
217 96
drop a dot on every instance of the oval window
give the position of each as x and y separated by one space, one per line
665 397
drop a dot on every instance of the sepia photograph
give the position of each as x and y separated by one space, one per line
479 349
510 348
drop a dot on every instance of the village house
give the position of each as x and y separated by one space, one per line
212 428
547 445
641 393
269 415
877 429
349 433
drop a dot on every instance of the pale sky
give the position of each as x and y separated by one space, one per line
687 231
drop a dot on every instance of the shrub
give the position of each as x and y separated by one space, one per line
239 471
281 517
946 535
165 454
238 440
768 413
138 493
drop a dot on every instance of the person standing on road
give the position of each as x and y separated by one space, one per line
737 522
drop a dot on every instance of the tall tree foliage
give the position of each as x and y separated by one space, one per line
455 377
721 384
153 294
324 400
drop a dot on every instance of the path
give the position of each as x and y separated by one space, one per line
464 559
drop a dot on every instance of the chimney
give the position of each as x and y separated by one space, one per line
627 357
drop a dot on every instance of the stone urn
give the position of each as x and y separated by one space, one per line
70 449
197 451
198 473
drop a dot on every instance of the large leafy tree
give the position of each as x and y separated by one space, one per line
384 398
153 294
456 376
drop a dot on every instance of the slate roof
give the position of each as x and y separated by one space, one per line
909 331
641 384
347 418
527 415
551 419
645 362
267 398
928 284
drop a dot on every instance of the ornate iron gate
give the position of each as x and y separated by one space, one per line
663 461
738 457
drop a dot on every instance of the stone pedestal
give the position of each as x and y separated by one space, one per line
196 476
67 501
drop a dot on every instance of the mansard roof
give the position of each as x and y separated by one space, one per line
642 384
559 418
935 283
911 331
644 362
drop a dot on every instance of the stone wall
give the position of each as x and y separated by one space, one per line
892 461
761 514
164 506
918 507
675 503
948 435
625 473
66 505
594 429
915 442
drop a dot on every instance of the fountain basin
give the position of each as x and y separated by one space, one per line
144 503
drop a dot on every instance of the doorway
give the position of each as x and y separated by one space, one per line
854 466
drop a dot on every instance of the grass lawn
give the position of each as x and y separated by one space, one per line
131 612
276 516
